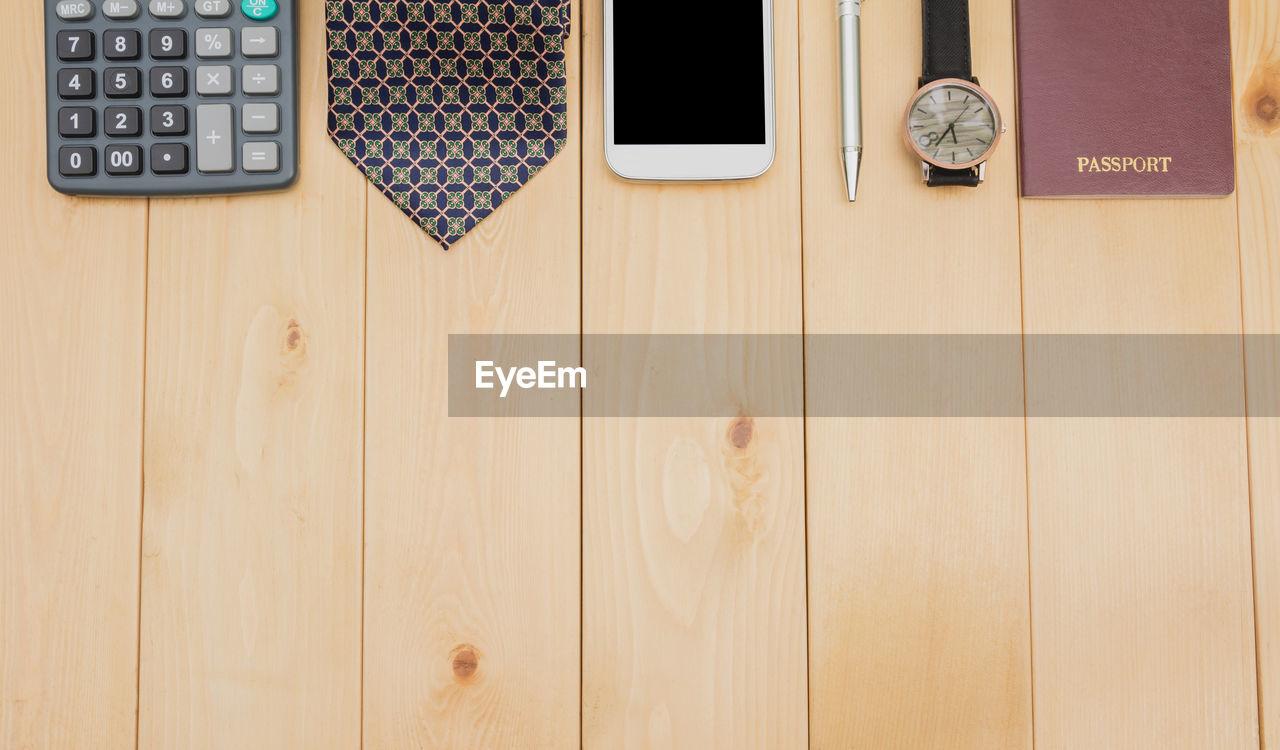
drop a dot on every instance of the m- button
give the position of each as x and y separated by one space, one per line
121 10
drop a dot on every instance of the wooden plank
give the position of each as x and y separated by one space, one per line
472 556
252 514
918 632
1256 41
693 541
1139 527
72 302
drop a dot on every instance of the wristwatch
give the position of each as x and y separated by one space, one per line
953 125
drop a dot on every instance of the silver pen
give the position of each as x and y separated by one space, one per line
849 14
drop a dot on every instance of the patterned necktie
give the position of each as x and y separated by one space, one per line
448 107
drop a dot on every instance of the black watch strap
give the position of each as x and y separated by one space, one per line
939 177
946 41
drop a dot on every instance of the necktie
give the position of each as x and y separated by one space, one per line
448 107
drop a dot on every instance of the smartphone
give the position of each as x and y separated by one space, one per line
689 89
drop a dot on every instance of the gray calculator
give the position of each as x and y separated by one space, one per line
171 97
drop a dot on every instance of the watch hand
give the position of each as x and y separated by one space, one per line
952 126
963 112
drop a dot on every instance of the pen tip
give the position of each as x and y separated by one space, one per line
851 176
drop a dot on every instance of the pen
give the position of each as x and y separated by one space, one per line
849 14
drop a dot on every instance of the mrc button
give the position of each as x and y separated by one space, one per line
259 10
75 10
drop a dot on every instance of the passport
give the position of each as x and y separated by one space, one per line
1121 98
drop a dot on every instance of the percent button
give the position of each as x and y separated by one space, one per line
213 44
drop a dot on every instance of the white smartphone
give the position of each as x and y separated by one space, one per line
688 88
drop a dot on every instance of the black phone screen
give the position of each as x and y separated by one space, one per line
688 72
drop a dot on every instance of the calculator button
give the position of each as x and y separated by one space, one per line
122 83
122 122
75 10
259 10
75 45
169 158
123 160
121 45
77 161
169 120
75 83
168 44
262 157
168 8
120 10
261 118
261 79
260 41
213 8
168 82
214 138
214 80
77 122
213 44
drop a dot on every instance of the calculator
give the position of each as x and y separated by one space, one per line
171 97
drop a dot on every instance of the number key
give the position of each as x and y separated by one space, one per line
123 160
77 122
122 83
168 44
121 45
123 122
75 83
168 120
168 82
75 45
77 161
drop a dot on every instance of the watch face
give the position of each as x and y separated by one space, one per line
953 124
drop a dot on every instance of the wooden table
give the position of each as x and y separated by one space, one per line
235 514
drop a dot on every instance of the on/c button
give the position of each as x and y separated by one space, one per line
259 10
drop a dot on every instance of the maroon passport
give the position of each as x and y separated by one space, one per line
1125 98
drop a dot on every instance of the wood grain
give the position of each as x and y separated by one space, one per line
1139 528
252 516
919 632
1256 41
693 577
72 300
471 587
